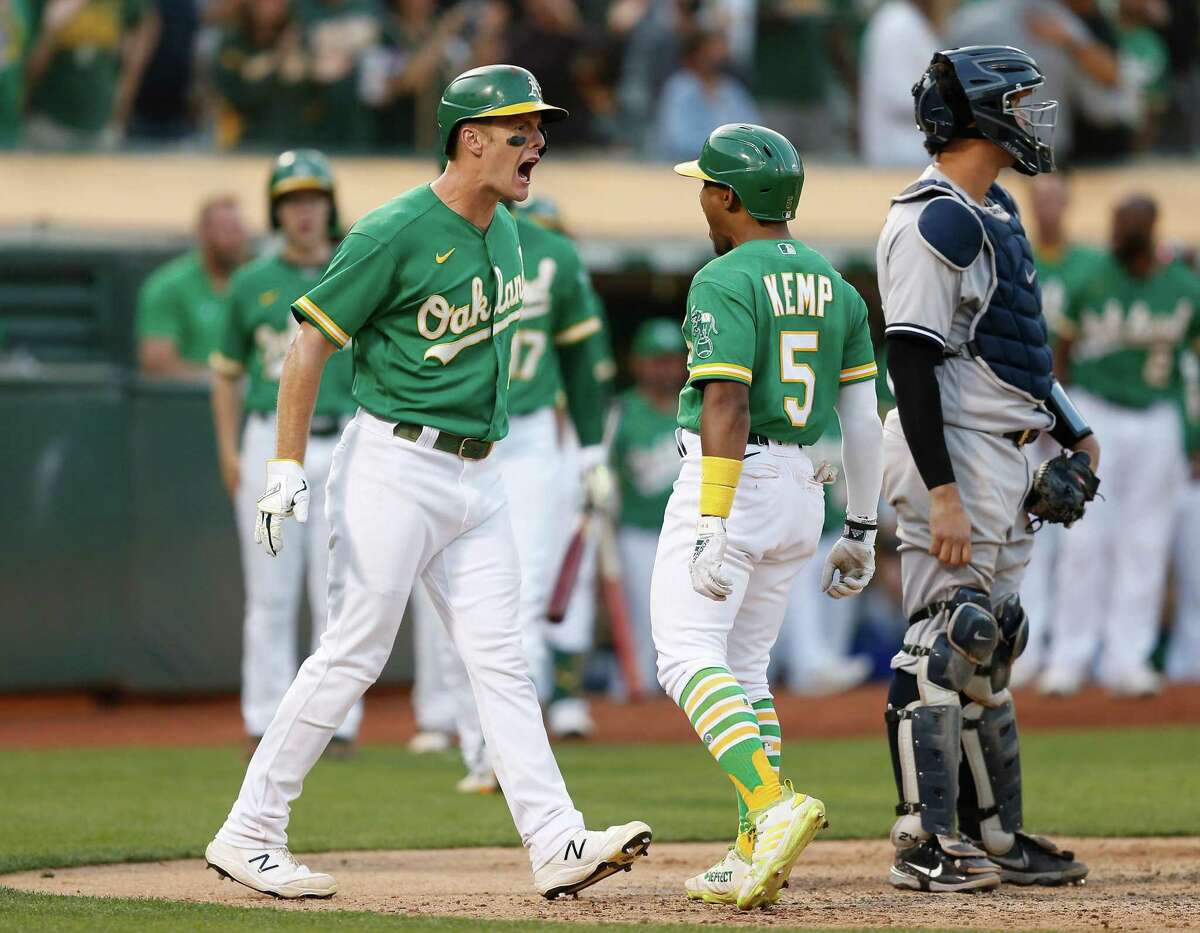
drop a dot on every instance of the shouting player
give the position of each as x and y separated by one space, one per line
777 341
258 329
971 369
429 286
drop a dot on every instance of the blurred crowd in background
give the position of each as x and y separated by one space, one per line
649 78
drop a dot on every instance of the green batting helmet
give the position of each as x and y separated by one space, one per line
490 91
760 165
302 170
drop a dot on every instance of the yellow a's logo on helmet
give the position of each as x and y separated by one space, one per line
535 89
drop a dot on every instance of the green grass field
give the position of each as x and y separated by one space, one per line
72 807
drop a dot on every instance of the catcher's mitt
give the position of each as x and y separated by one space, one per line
1062 488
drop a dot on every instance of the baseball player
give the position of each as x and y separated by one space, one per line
554 351
429 286
777 342
646 459
258 329
1120 339
1059 262
971 370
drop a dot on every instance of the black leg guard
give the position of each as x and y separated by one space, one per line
925 742
992 755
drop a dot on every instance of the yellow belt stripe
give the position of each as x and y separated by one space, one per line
732 738
323 320
705 688
577 332
719 711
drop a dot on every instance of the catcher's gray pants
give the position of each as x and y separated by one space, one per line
993 478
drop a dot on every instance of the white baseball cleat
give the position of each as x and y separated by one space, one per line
425 743
1060 682
721 883
569 719
590 856
782 831
478 782
272 871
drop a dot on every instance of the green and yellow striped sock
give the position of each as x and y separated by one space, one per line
772 741
727 724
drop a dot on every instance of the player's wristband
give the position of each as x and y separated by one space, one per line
862 530
718 482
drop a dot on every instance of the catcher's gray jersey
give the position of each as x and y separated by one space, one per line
925 292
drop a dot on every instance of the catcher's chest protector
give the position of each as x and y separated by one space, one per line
1009 334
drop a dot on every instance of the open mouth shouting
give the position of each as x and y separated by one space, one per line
525 170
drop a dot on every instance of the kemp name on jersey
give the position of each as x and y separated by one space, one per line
775 315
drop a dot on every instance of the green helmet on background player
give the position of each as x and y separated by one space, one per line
760 165
302 170
490 91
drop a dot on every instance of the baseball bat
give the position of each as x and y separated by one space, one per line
613 593
564 585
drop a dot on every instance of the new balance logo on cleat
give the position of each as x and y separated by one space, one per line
574 849
262 862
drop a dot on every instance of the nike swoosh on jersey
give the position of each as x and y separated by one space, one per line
442 257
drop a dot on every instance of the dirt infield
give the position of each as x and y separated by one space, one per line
1135 884
80 720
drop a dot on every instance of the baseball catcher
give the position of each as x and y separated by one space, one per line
971 368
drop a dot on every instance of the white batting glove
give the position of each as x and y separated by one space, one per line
707 557
853 558
286 496
599 489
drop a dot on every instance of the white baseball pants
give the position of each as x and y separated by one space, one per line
274 584
773 530
1112 568
637 547
399 509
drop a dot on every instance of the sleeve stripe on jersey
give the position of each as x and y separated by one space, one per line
218 362
721 371
577 332
858 372
917 331
322 320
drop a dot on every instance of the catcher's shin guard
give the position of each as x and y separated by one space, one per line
990 805
925 746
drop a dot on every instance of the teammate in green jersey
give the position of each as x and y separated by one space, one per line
429 286
248 362
777 342
1120 340
181 305
646 459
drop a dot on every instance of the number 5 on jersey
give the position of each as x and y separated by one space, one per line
792 343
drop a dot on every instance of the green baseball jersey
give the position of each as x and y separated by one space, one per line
1130 332
777 316
177 301
1058 271
79 87
259 328
646 458
559 313
430 300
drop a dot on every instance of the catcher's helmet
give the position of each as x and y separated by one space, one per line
490 91
760 165
302 170
973 92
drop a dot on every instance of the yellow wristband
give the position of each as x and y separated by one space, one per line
718 482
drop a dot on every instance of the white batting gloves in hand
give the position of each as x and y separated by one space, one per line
708 578
286 496
599 489
852 557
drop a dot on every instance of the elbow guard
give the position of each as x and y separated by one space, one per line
1069 425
